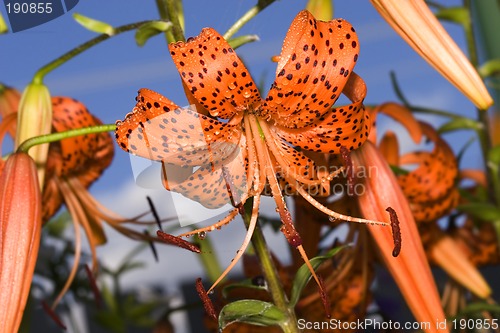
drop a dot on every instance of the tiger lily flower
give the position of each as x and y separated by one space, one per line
417 25
20 230
409 268
236 144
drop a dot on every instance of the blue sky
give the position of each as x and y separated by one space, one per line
107 77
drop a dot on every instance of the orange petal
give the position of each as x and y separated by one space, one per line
20 229
389 148
410 269
68 114
9 103
344 126
214 74
176 136
314 66
402 115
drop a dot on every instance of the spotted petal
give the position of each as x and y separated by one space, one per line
346 126
430 187
314 66
214 75
159 130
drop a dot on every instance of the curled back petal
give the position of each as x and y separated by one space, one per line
314 66
430 187
213 73
343 126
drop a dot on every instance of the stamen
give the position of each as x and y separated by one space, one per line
396 232
244 245
53 315
333 214
177 241
93 286
324 297
151 245
232 214
207 302
154 212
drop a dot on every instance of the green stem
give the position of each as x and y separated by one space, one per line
40 74
38 140
251 13
169 10
482 115
162 9
270 273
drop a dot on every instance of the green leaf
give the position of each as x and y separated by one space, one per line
58 225
480 307
131 265
398 171
490 68
460 124
251 311
94 25
459 15
303 275
148 30
481 210
494 159
247 283
242 40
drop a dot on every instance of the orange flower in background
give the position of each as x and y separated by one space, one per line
431 192
20 230
235 142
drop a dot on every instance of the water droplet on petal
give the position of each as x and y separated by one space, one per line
202 235
231 86
332 219
247 94
228 94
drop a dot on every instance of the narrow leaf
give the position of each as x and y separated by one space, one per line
490 68
247 283
242 40
94 25
459 15
304 275
483 211
151 29
251 311
460 124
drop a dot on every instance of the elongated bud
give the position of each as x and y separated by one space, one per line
410 268
417 25
20 224
35 118
449 256
9 103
